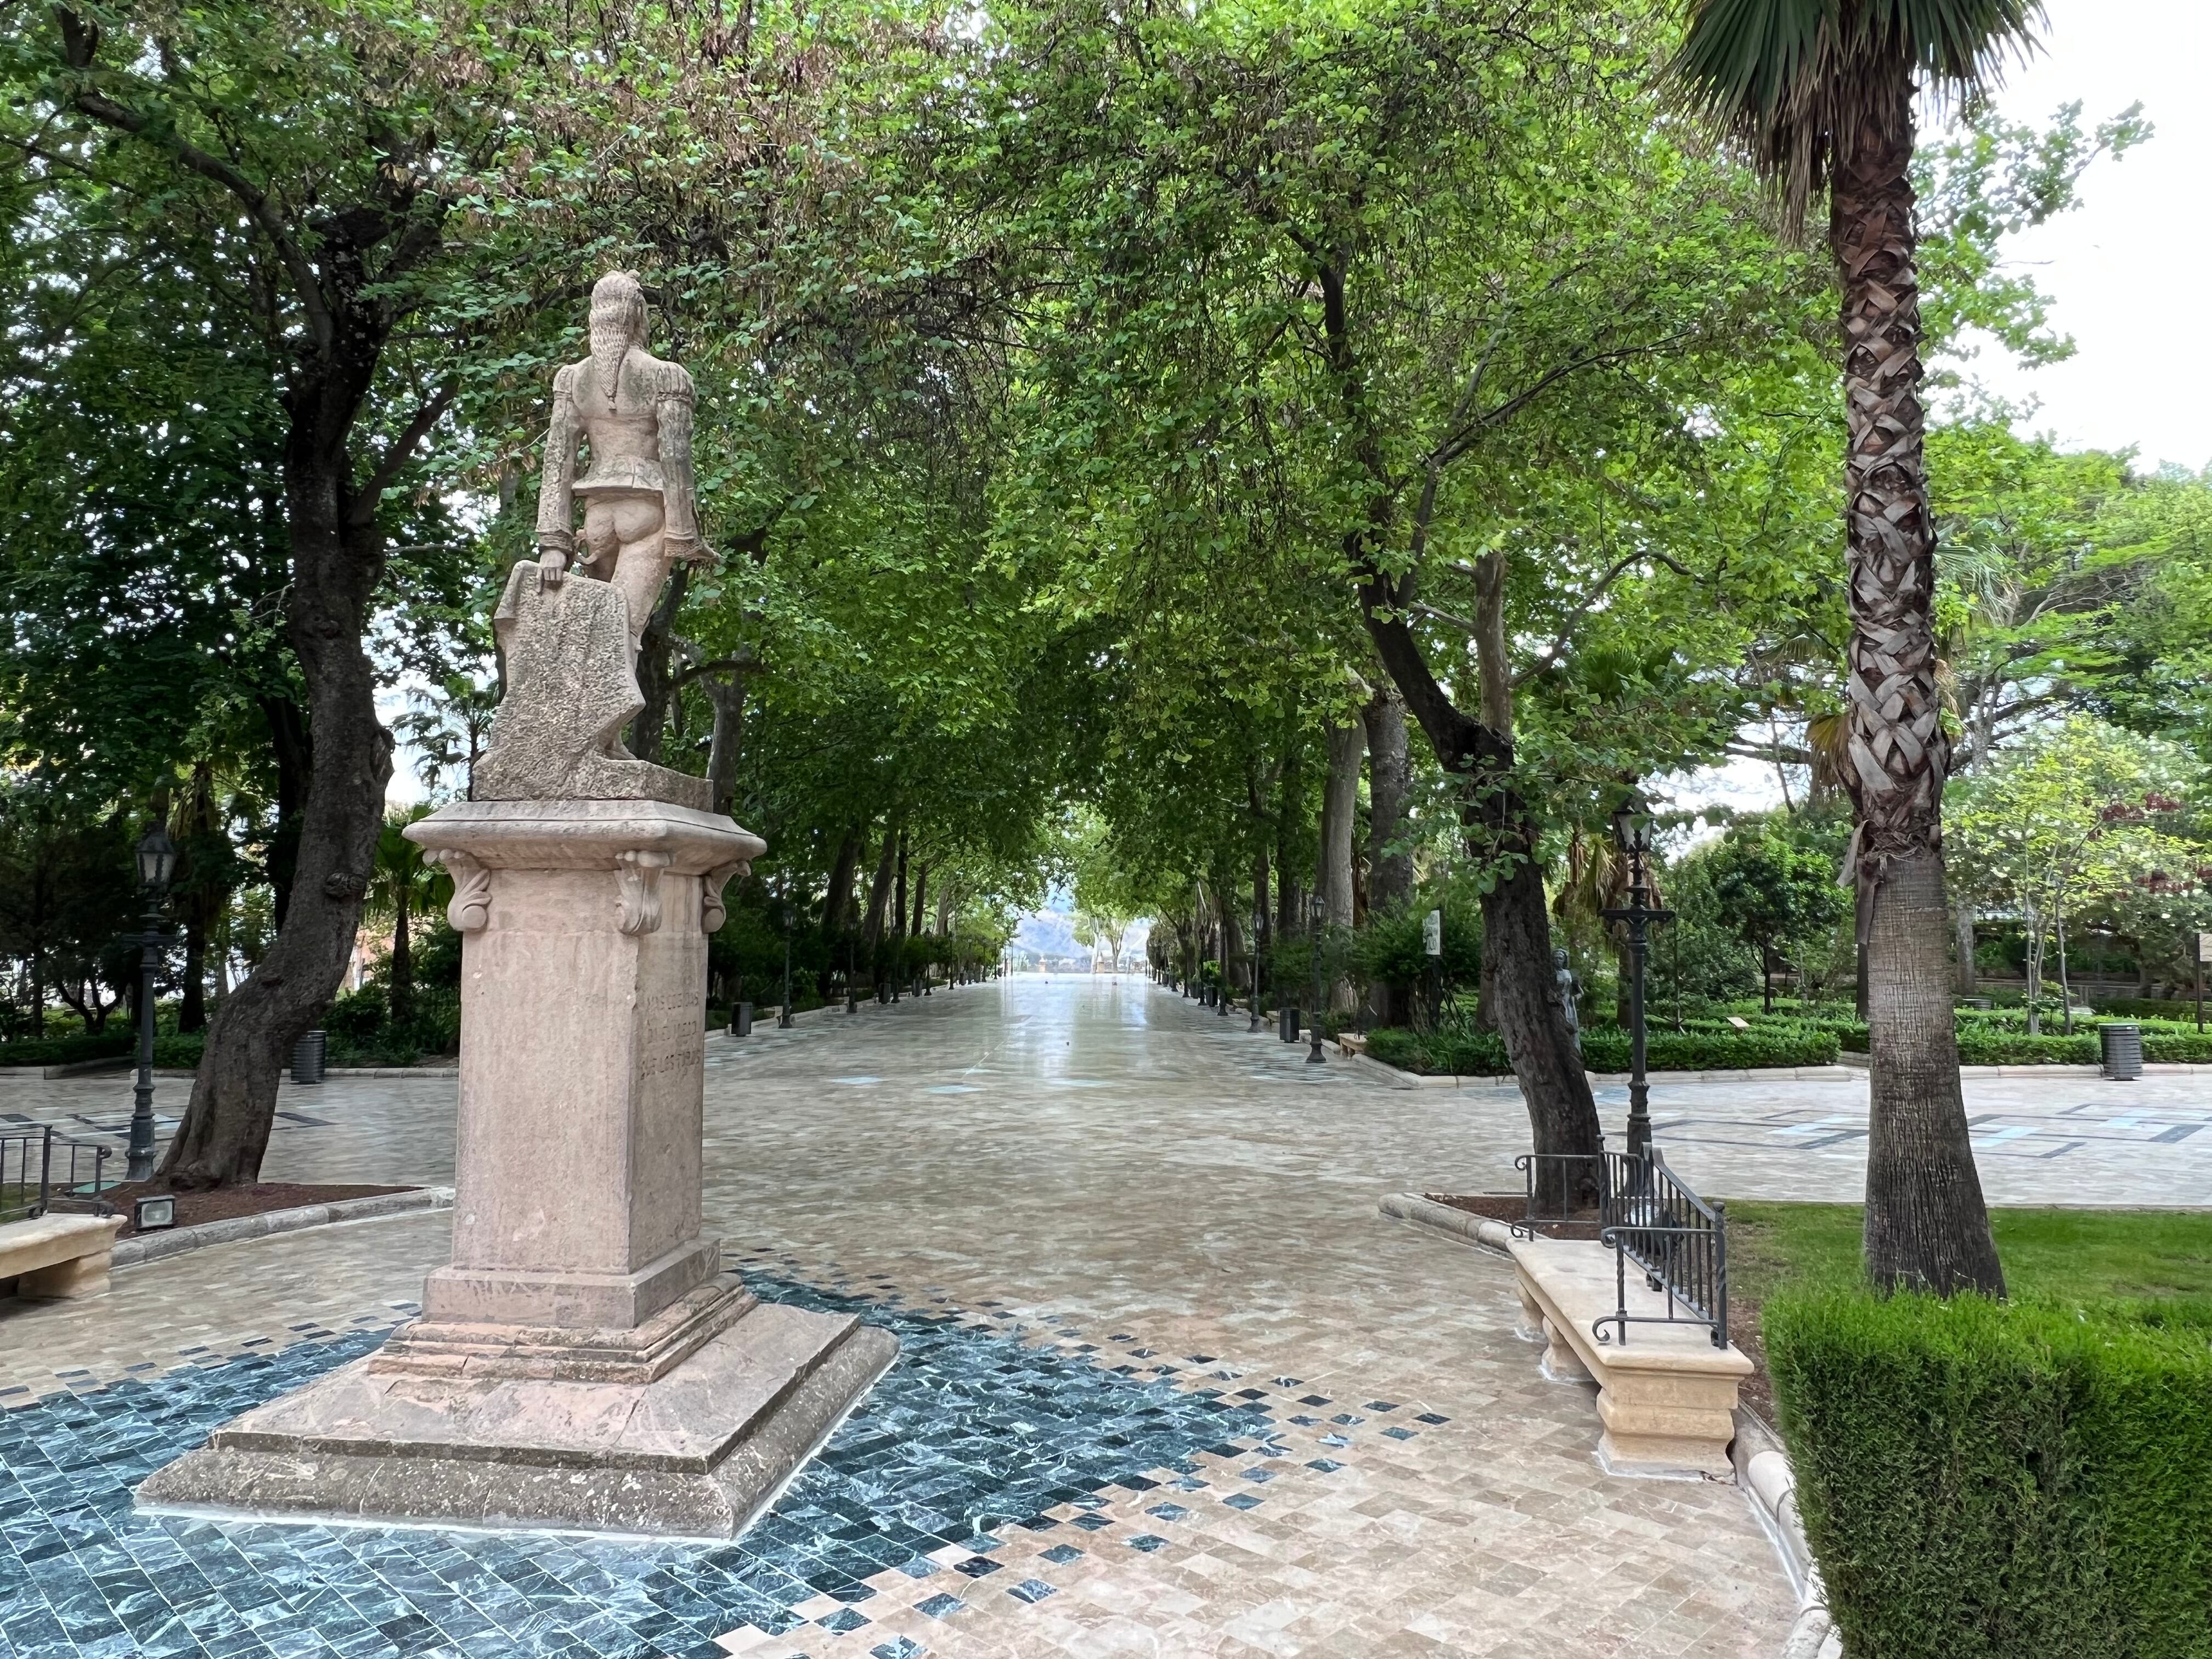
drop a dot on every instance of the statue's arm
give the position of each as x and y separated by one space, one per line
556 492
679 499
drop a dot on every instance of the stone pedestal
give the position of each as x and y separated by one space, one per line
582 1361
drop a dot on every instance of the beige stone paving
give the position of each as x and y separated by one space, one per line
1104 1159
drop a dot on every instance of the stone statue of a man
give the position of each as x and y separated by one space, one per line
641 513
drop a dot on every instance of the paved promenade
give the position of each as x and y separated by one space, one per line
1107 1225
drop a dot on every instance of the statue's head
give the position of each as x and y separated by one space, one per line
1559 957
617 325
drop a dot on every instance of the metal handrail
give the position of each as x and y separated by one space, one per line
70 1193
1677 1240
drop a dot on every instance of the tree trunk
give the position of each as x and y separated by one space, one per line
1389 769
1340 807
1926 1223
1340 813
337 558
920 892
1518 987
727 695
898 927
655 683
293 745
402 960
192 1002
1966 984
837 901
879 896
1289 923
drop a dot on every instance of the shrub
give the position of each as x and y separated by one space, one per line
2150 1008
1983 1481
67 1050
1605 1049
179 1053
355 1016
2192 1047
1978 1046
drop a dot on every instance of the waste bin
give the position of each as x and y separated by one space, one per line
741 1020
309 1055
2123 1052
1287 1025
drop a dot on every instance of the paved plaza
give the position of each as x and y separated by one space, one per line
1170 1385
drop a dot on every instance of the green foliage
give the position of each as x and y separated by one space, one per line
1389 949
1980 1480
1465 1053
1775 885
66 1050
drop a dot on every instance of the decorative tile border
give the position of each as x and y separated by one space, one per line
974 1437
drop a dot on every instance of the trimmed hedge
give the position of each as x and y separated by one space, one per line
1978 1047
1989 1480
1983 1047
68 1051
179 1053
1605 1049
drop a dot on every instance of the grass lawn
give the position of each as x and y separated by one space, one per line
2049 1255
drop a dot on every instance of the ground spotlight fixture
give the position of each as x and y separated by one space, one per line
153 1214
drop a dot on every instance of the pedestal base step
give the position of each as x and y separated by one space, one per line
696 1453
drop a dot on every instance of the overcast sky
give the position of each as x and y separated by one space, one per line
2128 269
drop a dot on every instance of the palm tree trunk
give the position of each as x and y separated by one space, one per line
1926 1223
402 957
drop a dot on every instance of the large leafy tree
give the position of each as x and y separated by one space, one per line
1398 323
1820 92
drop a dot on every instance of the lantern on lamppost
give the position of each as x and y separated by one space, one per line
1317 915
157 867
1632 835
784 1018
1258 919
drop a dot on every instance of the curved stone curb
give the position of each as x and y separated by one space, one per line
155 1246
1467 1229
1857 1062
1837 1073
1762 1467
1762 1470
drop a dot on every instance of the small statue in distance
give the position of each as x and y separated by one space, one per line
1569 989
640 509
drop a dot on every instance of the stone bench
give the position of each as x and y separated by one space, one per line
58 1256
1666 1397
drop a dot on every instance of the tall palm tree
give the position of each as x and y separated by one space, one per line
1820 92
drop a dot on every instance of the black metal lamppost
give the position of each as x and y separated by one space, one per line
157 864
784 1020
1256 920
1316 913
1632 831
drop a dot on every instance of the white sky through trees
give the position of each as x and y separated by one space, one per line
2126 269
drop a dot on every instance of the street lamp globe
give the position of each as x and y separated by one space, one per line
1631 828
157 860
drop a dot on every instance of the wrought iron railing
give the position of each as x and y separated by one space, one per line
41 1172
1645 1216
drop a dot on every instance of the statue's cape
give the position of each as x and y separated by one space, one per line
570 690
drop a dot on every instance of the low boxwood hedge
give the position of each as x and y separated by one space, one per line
1988 1480
69 1050
1605 1049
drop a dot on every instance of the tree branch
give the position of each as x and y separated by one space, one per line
1581 608
398 454
80 41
